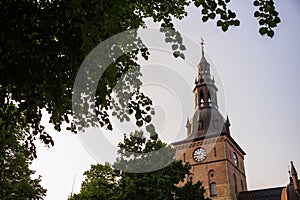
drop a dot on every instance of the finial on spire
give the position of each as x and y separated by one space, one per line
295 178
187 123
227 121
202 45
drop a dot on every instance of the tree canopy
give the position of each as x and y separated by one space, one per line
16 181
105 182
43 43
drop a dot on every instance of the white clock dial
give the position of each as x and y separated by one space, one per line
199 154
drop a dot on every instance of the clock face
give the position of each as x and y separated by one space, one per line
199 154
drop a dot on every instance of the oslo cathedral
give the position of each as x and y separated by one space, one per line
215 157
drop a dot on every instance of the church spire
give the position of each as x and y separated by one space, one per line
295 178
203 66
205 89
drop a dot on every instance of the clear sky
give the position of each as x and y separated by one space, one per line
259 88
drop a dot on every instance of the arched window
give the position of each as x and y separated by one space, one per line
201 98
208 97
190 177
212 189
212 183
235 159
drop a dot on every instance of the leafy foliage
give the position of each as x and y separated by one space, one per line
15 176
104 182
267 16
43 43
100 183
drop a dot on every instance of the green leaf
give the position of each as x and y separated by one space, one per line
219 23
272 24
150 128
197 3
270 33
182 47
275 13
231 14
256 14
263 30
261 22
212 15
223 16
148 118
204 18
138 115
236 22
218 11
175 46
154 136
277 20
176 54
225 27
139 123
256 3
204 11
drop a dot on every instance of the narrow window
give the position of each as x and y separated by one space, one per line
212 189
184 157
201 98
208 97
235 159
215 152
235 185
200 126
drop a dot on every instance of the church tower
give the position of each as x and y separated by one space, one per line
215 157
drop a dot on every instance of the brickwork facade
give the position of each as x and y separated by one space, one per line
215 158
217 168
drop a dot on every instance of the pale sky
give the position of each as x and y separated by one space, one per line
259 88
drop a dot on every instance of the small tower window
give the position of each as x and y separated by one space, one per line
235 185
215 152
213 189
200 125
208 98
190 177
235 159
201 98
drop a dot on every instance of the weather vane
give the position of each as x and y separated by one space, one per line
202 42
202 45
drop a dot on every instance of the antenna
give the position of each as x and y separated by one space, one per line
73 185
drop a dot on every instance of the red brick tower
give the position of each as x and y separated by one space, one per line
216 159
